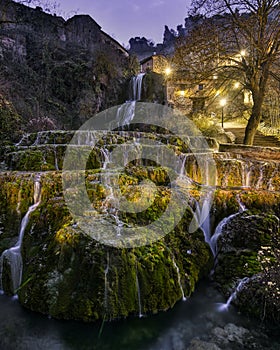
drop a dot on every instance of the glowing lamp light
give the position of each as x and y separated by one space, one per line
167 70
182 93
242 52
236 85
223 102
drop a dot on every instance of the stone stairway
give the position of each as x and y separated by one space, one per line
260 139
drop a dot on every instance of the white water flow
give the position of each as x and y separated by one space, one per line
137 86
218 232
261 177
272 177
182 170
106 283
138 293
111 203
234 294
13 254
246 173
126 111
179 278
202 216
221 225
240 203
55 158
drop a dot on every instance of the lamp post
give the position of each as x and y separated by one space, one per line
223 102
167 73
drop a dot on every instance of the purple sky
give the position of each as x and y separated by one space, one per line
123 19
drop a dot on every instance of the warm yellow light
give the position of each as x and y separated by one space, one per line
217 93
167 70
223 102
242 52
236 85
182 93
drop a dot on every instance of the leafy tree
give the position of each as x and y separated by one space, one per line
248 32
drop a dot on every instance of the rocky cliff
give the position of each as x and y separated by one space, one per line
57 73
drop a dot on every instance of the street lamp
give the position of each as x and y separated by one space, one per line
223 102
167 71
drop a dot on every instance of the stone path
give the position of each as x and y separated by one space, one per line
260 139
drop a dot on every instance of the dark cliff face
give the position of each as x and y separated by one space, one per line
58 73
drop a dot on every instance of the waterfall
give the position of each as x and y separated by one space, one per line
234 293
261 177
202 217
125 113
55 158
179 278
106 282
246 168
182 170
137 86
138 293
242 207
218 232
111 202
271 187
13 254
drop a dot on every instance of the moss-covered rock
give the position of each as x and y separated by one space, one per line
249 246
69 275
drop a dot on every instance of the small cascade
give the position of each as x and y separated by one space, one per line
202 217
106 283
179 278
242 207
106 157
261 177
182 170
234 294
137 86
138 293
126 113
111 203
13 254
275 171
55 158
218 232
246 173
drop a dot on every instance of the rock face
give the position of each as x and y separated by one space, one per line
58 73
248 246
68 275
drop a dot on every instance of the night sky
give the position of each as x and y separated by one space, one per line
123 19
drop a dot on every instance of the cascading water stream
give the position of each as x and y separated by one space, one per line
106 282
218 232
138 293
13 254
234 294
126 111
179 278
221 225
137 86
55 158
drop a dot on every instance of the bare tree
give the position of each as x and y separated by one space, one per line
250 34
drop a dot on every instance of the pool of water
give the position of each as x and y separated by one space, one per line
196 319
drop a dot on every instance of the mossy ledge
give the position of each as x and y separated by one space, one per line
68 275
